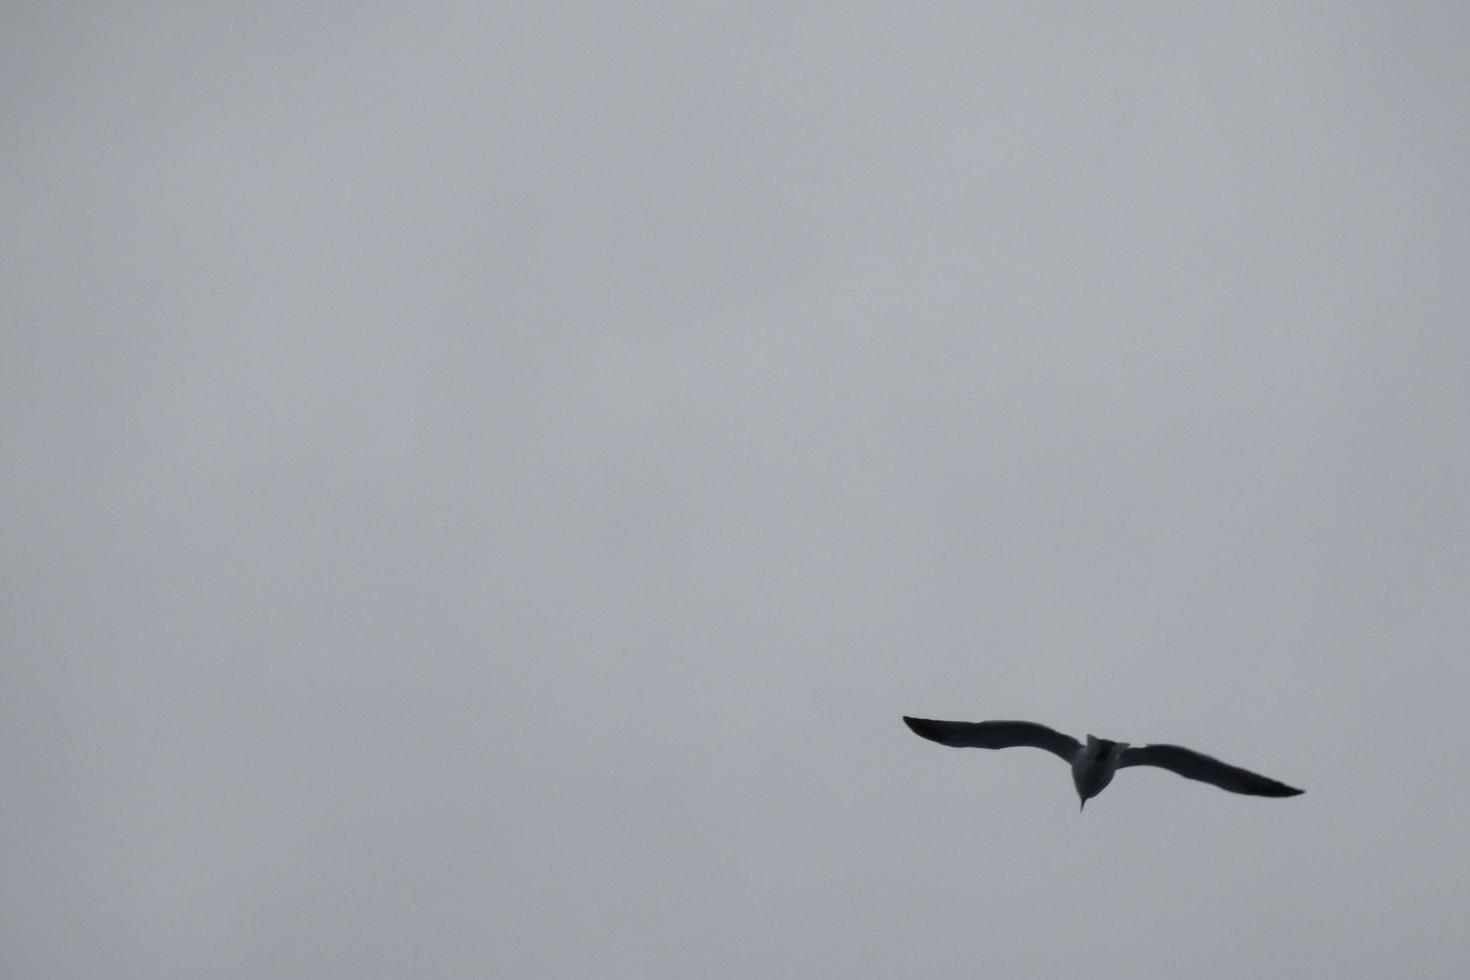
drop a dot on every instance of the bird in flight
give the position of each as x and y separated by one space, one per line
1094 764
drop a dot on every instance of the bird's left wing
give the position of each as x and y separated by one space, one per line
995 735
1196 765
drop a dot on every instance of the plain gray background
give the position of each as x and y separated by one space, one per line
483 481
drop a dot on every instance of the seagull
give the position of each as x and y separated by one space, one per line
1093 764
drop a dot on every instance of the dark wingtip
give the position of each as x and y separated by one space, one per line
919 726
1281 791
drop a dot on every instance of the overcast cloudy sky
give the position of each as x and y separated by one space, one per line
483 481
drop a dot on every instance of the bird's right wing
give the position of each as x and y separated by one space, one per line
1196 765
995 735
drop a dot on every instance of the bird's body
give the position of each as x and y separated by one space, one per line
1094 764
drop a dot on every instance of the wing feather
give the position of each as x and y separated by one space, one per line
1196 765
995 735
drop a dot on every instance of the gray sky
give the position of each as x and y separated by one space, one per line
484 481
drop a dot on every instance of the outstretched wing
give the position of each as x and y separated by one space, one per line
1197 765
995 735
